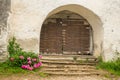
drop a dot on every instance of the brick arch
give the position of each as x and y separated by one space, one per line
93 20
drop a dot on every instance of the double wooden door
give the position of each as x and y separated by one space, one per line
69 37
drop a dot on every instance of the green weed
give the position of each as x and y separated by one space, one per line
111 66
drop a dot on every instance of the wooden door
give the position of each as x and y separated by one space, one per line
70 37
51 39
76 37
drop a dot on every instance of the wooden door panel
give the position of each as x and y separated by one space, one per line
77 38
72 37
51 39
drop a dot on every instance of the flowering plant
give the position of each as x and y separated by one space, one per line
31 64
26 62
23 59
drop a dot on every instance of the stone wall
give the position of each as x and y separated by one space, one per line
27 17
4 9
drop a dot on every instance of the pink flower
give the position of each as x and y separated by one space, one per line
34 59
37 65
30 68
40 63
29 62
21 57
28 58
40 56
11 59
25 66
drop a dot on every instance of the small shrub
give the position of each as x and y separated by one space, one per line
20 58
13 47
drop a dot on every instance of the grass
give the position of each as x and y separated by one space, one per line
112 66
6 69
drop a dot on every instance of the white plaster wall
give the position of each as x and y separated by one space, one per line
27 16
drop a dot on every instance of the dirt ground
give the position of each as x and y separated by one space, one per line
38 77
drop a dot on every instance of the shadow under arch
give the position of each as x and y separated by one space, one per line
93 20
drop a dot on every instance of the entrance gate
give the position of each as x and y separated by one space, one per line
66 36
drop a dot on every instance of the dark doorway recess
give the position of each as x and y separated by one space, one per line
66 33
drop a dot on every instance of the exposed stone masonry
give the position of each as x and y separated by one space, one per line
4 9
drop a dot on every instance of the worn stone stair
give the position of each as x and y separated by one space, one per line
69 65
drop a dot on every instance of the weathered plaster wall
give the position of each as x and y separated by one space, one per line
4 8
27 16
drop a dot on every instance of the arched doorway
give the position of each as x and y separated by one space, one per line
66 32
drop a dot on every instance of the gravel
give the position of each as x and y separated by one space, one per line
76 78
37 77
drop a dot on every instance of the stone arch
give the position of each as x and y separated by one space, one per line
93 20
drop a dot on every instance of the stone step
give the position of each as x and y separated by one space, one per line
67 62
69 69
73 73
73 70
70 60
67 66
69 56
